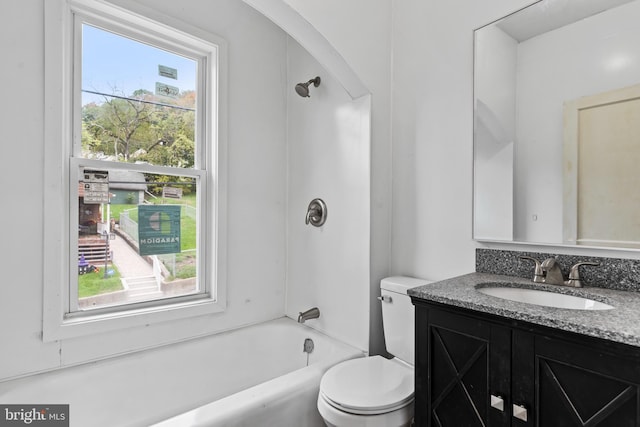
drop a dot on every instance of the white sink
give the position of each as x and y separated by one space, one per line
545 298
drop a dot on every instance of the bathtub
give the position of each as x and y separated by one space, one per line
284 384
253 376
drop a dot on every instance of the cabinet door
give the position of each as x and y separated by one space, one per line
577 385
460 362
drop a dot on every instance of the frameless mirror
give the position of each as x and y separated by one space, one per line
557 125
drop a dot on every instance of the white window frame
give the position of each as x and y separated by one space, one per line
62 101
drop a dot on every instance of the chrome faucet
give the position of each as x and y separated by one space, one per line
552 273
312 313
549 272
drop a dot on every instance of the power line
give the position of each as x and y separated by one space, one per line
139 100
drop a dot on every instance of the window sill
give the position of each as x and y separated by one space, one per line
89 323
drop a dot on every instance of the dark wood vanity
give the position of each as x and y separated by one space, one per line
479 369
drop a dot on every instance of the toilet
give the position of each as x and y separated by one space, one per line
376 391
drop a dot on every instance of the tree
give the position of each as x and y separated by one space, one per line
139 127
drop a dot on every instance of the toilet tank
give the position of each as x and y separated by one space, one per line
398 315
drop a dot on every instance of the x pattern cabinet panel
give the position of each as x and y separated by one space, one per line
465 362
459 380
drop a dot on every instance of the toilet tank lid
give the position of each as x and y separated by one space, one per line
400 284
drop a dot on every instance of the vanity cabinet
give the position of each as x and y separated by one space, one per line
475 369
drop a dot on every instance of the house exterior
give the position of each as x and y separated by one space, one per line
126 187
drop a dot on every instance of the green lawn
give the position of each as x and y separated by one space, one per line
187 232
117 209
93 283
186 265
187 224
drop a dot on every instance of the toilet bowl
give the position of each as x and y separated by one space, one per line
371 391
376 391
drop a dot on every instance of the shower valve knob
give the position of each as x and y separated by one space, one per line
316 213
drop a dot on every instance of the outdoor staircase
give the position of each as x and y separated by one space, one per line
141 288
93 251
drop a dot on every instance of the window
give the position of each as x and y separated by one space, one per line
140 171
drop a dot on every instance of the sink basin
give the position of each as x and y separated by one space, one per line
544 298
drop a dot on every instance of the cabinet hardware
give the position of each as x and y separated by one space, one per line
520 412
497 402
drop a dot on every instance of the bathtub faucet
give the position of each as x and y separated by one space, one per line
312 313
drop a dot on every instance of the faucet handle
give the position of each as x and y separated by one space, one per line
538 274
574 273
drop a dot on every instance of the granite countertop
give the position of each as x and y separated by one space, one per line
620 324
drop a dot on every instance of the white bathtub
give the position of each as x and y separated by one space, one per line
282 390
253 376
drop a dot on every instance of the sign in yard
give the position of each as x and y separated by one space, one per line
158 229
96 186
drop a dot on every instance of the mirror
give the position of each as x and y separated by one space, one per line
557 125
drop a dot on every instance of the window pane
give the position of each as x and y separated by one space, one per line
137 237
138 101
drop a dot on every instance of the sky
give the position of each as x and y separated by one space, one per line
115 64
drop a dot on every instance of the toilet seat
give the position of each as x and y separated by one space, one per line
368 386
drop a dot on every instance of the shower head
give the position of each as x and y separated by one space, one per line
302 89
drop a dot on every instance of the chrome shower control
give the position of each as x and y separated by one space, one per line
316 213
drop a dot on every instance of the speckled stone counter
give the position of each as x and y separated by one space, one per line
612 273
620 324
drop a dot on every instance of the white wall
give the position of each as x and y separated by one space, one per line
328 157
257 179
21 43
433 133
360 31
594 55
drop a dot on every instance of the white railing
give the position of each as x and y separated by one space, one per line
129 226
169 261
189 211
157 270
